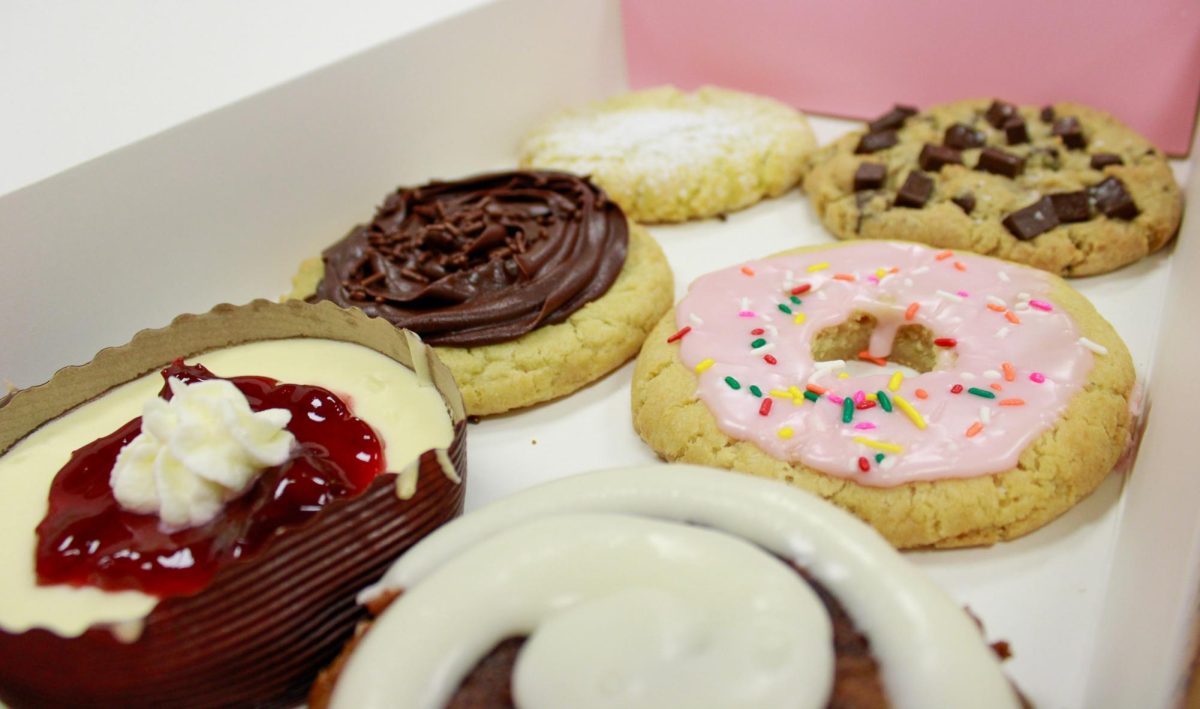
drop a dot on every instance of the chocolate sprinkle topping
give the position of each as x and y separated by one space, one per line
481 260
1072 206
1112 200
915 191
961 136
999 162
1103 160
1035 219
892 119
965 201
1015 131
872 142
1047 114
999 113
933 157
869 176
1070 131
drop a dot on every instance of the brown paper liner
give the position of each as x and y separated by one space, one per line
260 631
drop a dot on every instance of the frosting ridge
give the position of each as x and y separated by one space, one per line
480 260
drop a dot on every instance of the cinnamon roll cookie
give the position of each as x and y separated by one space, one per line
662 586
1065 188
529 284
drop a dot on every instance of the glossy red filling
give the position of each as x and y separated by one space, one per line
88 539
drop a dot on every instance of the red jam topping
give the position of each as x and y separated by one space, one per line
88 539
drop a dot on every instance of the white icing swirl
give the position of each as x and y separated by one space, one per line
197 451
627 603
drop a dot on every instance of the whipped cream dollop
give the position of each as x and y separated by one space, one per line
197 451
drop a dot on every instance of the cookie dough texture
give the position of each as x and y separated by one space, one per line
555 360
668 156
1062 466
1098 245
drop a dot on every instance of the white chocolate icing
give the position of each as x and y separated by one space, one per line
198 451
612 568
409 416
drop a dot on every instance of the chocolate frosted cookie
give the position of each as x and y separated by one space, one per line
669 156
530 284
1065 188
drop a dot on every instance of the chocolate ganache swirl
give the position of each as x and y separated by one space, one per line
480 260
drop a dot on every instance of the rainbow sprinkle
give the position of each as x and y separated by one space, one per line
679 335
705 364
910 412
894 382
879 445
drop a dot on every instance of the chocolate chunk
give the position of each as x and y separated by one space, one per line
1047 114
999 162
1072 206
1035 219
961 136
999 113
869 176
1070 131
965 201
915 191
892 119
1103 160
872 142
1112 200
1015 132
933 157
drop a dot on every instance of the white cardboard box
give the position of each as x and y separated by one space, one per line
1098 606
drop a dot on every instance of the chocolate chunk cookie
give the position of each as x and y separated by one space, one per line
1065 188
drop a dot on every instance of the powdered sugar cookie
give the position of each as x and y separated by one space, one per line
668 156
1015 405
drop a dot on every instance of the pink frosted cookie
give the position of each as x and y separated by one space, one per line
949 399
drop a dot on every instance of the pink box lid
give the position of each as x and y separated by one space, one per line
855 58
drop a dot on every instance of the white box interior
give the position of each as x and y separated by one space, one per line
1098 606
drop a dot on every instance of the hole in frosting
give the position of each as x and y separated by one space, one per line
912 346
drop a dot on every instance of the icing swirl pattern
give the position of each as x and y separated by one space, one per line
662 586
481 260
1006 360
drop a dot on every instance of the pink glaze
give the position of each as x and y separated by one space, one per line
1045 343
